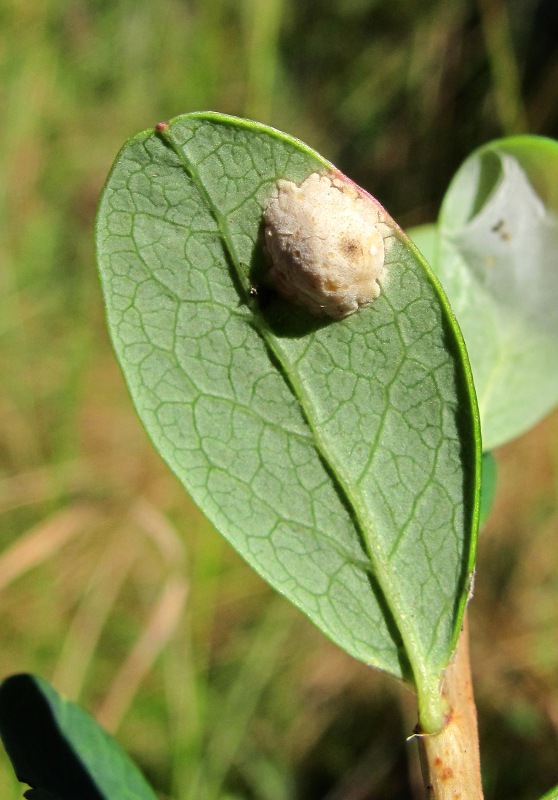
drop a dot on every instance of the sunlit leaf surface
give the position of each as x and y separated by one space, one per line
339 457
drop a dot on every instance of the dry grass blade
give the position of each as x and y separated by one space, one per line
160 531
93 612
43 541
156 634
41 484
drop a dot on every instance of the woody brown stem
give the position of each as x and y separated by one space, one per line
450 759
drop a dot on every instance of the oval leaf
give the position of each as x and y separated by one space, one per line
338 457
497 260
59 750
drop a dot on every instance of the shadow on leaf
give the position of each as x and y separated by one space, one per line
40 754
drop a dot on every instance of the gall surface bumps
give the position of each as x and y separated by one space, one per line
324 246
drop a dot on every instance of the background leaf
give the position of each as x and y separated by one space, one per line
488 488
338 458
496 255
59 750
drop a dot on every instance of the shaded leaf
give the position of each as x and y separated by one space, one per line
59 750
497 257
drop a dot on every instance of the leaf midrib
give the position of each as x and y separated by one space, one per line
426 683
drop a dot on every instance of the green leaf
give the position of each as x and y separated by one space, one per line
496 257
339 458
551 795
426 238
59 750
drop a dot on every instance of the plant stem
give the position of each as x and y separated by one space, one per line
450 759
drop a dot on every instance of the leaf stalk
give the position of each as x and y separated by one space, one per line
450 759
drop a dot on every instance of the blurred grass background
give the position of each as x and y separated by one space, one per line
111 582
